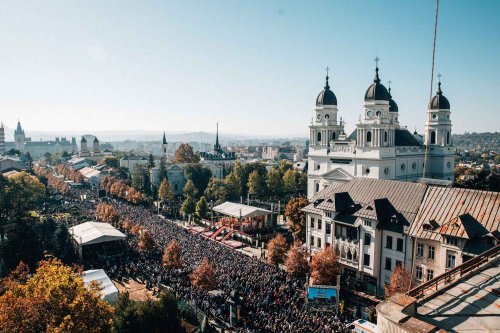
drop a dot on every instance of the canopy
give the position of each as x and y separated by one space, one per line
240 210
109 292
95 232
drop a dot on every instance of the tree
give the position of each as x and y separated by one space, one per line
21 244
296 218
256 184
165 191
54 299
62 243
190 190
172 255
146 241
247 170
199 174
285 166
107 214
290 182
216 191
140 180
202 207
276 250
151 162
400 282
112 162
296 261
203 276
184 154
26 192
162 170
325 267
233 186
274 182
301 178
188 206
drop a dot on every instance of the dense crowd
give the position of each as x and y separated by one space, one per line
272 300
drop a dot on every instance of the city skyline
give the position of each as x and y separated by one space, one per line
256 68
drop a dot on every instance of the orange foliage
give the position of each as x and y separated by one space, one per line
172 255
56 183
276 250
146 241
203 276
296 261
107 214
400 282
325 267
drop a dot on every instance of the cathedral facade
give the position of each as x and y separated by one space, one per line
379 147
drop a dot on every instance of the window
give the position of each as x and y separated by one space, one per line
433 137
385 136
319 224
368 239
419 273
399 245
399 263
448 138
333 136
317 187
388 243
403 167
430 274
319 137
420 250
368 136
431 252
312 223
366 259
328 228
388 264
450 260
367 223
312 240
319 242
451 241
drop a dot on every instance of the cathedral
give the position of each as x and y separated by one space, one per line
379 147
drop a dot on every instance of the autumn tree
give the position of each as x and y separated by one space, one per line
146 241
190 190
54 299
216 191
202 208
290 183
203 276
296 261
172 255
184 154
400 282
107 214
135 229
276 250
325 267
165 191
256 184
296 218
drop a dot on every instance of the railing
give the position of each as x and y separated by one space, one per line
469 265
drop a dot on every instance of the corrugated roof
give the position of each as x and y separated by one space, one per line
444 205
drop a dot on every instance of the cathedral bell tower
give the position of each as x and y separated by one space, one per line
164 147
324 126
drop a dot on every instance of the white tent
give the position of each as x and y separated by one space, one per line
240 210
95 232
109 292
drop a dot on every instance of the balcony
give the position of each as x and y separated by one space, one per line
347 251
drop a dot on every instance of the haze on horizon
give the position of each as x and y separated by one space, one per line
255 67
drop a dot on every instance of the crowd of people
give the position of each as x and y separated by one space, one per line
271 299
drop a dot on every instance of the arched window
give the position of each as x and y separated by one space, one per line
385 136
368 136
448 137
333 136
319 137
317 187
433 138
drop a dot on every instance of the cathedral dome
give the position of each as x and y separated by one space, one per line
376 91
393 107
326 97
439 101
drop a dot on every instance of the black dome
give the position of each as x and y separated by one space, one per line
393 107
326 97
439 101
377 91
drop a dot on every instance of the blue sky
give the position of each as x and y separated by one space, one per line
253 66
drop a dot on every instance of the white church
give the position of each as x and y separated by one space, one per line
379 147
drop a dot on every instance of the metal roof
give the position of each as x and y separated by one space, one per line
240 210
95 232
444 210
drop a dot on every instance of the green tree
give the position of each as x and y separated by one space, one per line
165 191
62 243
112 162
199 175
22 244
26 193
188 206
290 182
162 170
233 186
285 166
274 182
202 207
256 184
190 190
301 178
184 154
216 191
138 176
151 162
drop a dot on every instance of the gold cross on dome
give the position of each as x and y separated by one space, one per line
327 70
376 61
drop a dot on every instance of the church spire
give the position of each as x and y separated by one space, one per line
217 145
164 138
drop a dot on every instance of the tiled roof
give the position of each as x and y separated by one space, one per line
456 212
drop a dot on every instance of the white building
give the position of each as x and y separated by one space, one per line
379 147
